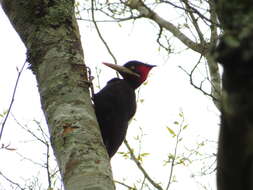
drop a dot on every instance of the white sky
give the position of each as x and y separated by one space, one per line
168 91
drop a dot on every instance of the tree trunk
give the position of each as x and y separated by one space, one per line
50 33
235 53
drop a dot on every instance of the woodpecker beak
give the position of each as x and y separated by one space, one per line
121 69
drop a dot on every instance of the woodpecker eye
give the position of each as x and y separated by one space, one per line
132 67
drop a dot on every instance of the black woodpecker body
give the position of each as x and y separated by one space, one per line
115 104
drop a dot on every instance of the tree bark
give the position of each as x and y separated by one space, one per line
50 33
235 53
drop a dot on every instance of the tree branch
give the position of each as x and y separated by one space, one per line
48 167
213 17
175 151
125 185
194 85
194 21
100 35
10 181
191 10
215 80
137 162
168 49
12 99
148 13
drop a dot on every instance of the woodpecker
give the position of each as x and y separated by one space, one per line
115 104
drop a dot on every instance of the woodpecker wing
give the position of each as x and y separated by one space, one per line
115 104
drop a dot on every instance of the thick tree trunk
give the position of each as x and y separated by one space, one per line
235 53
49 31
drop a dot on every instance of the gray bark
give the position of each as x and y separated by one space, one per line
50 33
235 53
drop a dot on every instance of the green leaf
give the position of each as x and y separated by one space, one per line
144 154
119 25
139 158
171 131
176 122
125 155
171 157
145 83
181 161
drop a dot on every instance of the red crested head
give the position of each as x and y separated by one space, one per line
134 72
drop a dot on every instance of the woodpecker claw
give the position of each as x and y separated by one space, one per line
86 78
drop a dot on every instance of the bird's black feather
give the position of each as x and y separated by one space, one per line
115 105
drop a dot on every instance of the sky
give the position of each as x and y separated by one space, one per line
166 93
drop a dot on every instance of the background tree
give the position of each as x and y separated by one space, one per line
235 54
50 33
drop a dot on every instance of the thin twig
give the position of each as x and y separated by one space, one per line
30 132
100 35
143 182
10 181
175 153
168 49
125 185
111 21
48 168
137 162
194 21
12 99
192 10
45 142
30 160
98 71
191 80
43 133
